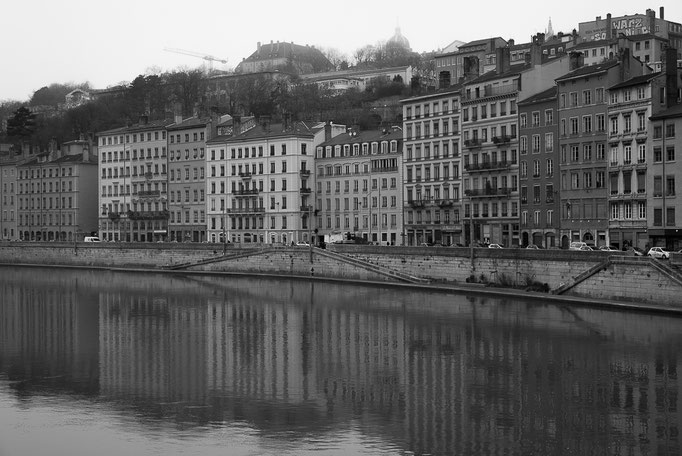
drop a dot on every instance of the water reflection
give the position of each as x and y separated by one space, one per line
319 367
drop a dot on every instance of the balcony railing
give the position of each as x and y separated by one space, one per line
488 192
471 143
304 172
306 190
246 210
488 166
246 191
149 193
245 175
501 139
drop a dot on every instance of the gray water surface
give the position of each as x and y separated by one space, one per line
111 363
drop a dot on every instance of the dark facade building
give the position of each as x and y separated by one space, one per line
583 141
539 176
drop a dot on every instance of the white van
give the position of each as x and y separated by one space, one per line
577 245
91 239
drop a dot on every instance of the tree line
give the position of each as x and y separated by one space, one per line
185 91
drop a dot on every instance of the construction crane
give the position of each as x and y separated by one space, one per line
209 58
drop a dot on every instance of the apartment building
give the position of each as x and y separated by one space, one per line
583 140
490 152
187 178
260 184
629 109
8 194
432 179
133 182
57 193
663 164
359 185
539 172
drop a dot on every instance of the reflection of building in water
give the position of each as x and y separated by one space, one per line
260 352
47 331
153 348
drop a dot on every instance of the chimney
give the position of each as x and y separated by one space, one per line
670 71
535 54
502 59
258 47
86 150
575 60
178 113
470 65
236 125
609 31
328 130
661 13
624 63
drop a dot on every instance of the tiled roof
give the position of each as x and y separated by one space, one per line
366 136
545 95
673 112
436 94
189 123
637 80
589 69
275 130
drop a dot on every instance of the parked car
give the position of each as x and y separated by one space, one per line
577 245
608 248
586 248
658 252
494 246
532 246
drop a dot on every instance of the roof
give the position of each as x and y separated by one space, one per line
190 122
366 136
275 130
545 95
587 70
637 80
493 74
673 112
151 125
436 94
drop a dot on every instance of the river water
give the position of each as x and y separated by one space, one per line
113 363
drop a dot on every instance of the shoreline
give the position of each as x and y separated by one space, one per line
440 287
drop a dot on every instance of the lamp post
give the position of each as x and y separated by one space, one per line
223 224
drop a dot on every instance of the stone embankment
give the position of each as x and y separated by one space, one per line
594 276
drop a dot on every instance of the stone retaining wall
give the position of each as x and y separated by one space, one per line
629 279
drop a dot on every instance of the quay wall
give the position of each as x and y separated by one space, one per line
593 275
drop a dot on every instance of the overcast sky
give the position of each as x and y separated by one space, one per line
103 43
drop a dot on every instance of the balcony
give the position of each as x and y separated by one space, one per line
500 140
472 143
488 166
306 208
245 175
149 194
488 192
445 202
148 215
246 192
305 190
417 203
304 172
246 210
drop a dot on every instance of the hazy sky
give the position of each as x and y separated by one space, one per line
74 41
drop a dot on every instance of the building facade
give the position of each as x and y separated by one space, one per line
358 186
490 152
8 195
260 184
133 182
583 140
539 176
57 194
432 163
187 178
